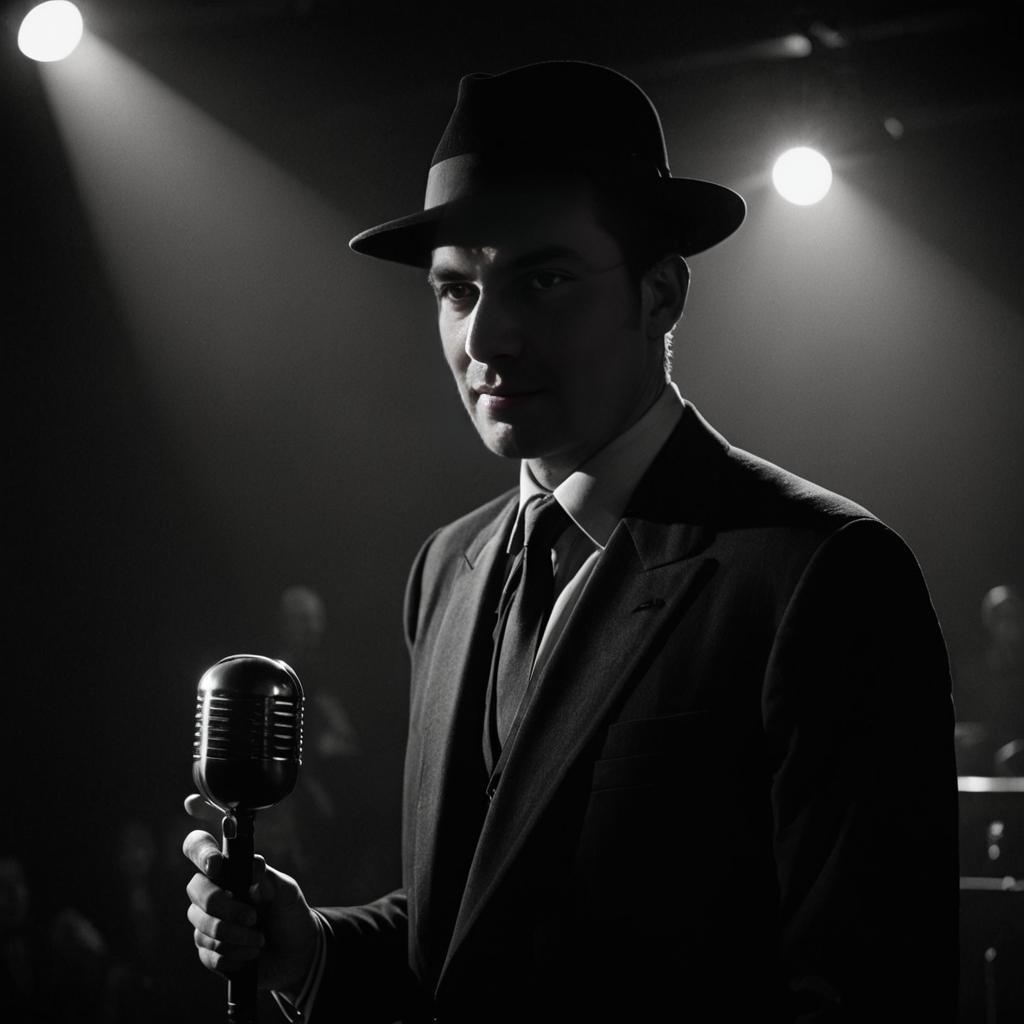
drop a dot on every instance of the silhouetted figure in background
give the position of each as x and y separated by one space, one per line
142 986
54 971
303 623
990 691
23 949
322 826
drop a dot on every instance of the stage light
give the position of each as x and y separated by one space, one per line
802 176
50 31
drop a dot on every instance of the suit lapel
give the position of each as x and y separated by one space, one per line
648 574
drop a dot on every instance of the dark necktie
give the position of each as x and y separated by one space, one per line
522 616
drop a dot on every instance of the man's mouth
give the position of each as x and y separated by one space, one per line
496 398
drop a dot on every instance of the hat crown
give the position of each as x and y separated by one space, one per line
552 112
545 123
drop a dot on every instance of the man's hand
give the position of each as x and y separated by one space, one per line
228 932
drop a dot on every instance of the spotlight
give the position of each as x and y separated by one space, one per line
50 31
802 176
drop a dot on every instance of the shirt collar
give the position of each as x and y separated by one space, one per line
595 495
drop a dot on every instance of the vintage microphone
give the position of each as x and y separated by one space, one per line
246 757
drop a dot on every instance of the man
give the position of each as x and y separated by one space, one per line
674 780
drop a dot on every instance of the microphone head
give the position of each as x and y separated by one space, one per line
248 739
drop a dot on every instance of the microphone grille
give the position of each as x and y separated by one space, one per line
248 739
232 726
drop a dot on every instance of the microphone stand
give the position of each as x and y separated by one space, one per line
237 831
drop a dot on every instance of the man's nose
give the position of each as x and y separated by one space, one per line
494 330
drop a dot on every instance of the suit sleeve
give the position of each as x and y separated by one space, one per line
366 976
859 720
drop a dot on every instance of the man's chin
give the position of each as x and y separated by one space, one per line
503 440
513 441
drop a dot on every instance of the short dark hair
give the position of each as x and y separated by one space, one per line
636 223
642 232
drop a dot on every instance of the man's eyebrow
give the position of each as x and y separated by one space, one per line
438 274
527 259
542 255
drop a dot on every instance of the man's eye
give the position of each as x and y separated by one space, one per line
545 280
457 291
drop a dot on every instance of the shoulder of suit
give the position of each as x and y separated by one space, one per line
780 526
725 487
775 492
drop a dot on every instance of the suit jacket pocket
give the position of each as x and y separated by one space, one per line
640 752
665 803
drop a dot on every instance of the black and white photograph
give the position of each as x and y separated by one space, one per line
514 512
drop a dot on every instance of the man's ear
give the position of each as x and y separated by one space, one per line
663 294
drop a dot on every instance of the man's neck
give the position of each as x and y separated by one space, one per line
549 472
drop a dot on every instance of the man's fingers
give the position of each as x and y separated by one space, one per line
221 935
198 807
262 890
219 903
204 851
224 963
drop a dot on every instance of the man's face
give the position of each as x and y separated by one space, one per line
543 331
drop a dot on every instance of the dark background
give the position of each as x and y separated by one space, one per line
209 398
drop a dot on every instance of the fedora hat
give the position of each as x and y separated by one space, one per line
542 121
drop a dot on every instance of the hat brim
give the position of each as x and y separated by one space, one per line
706 214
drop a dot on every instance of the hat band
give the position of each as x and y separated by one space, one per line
449 179
457 177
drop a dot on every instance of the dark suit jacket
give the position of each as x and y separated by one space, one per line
733 796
